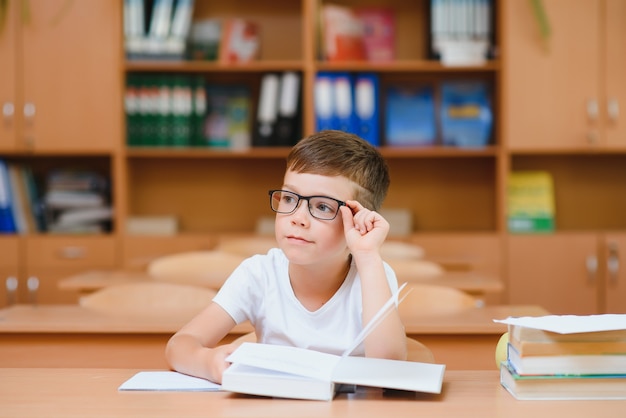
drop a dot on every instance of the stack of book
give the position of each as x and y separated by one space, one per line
566 357
77 202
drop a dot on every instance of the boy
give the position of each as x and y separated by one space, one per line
327 278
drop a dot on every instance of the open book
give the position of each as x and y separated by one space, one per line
292 372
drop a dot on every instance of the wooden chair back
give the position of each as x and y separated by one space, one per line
199 268
431 299
247 246
149 300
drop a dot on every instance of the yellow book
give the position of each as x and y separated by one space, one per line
530 201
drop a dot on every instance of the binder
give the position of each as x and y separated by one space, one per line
323 100
7 222
343 117
366 108
288 129
267 111
410 116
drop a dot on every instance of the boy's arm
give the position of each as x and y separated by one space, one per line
194 349
365 232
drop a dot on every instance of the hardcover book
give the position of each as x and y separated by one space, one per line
530 201
561 387
291 372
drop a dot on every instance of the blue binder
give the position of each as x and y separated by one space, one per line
7 222
323 100
366 107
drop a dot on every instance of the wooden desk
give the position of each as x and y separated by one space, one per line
470 282
93 392
72 336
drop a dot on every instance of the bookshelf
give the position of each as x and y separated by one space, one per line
457 196
453 193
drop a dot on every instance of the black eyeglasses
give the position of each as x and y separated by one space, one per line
320 207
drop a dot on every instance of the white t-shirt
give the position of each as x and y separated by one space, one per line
259 290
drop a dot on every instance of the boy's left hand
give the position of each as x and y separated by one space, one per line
365 229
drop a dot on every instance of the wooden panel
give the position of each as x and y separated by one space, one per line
614 293
548 85
206 196
8 81
453 194
72 55
551 271
615 85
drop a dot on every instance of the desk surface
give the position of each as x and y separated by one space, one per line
470 282
93 393
77 319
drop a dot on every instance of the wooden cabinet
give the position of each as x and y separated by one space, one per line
48 259
565 92
569 273
562 100
60 87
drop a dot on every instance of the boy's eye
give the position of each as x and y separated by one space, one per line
324 207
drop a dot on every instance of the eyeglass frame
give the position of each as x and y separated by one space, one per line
300 198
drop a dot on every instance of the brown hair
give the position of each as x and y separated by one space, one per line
337 153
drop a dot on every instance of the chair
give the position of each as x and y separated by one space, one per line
200 268
416 351
247 246
408 269
431 299
402 250
149 300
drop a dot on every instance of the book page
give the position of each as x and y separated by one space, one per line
293 360
570 324
167 381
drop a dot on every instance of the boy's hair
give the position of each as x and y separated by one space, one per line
337 153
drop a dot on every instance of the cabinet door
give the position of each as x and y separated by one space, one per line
9 267
550 85
615 100
557 272
8 90
71 79
615 285
52 259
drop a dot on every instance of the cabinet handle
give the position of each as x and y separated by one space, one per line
8 110
33 287
612 107
612 261
11 286
592 267
593 110
29 112
73 253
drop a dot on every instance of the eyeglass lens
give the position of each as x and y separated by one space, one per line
319 207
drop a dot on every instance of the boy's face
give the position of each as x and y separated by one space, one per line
304 239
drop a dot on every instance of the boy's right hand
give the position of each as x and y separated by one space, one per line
217 360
